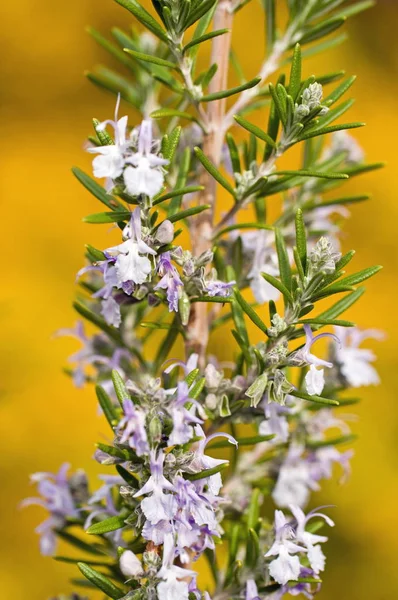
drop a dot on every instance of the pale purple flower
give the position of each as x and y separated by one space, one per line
111 159
295 479
182 417
170 280
174 585
311 540
219 288
354 362
275 422
131 428
264 261
159 505
203 462
190 365
145 174
131 261
314 379
110 310
56 498
286 566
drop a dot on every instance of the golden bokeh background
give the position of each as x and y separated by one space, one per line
47 106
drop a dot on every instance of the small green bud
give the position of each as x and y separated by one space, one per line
257 389
184 308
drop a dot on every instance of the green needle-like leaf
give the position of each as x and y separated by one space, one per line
214 172
101 582
107 525
231 92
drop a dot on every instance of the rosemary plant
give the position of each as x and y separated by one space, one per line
270 414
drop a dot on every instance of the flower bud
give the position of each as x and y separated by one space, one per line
130 565
184 307
155 429
165 232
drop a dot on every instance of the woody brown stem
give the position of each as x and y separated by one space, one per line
202 227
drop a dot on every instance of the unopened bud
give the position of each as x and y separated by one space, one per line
130 565
165 232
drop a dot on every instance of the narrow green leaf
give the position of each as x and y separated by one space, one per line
270 23
295 73
225 230
322 30
151 59
165 113
111 524
355 9
279 286
144 17
232 91
106 405
356 277
319 321
197 13
120 387
214 172
278 104
76 542
196 390
128 477
255 130
343 439
251 313
107 217
95 254
189 212
316 399
181 192
310 173
338 201
254 509
339 91
98 579
342 305
301 239
206 472
167 344
204 38
330 129
96 190
283 260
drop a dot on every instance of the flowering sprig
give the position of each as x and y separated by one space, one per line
168 500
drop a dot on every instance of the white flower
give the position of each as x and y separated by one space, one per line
315 381
295 479
173 587
145 176
111 159
264 260
286 567
311 540
130 565
158 506
131 265
110 310
354 362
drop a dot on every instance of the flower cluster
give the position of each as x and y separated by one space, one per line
199 446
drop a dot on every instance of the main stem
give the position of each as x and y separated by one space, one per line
202 228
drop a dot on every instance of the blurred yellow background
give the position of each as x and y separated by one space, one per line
47 106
